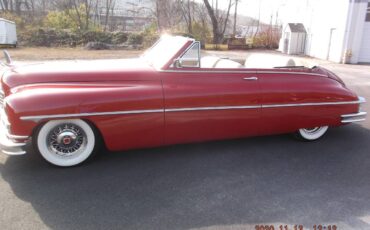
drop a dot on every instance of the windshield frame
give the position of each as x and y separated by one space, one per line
163 60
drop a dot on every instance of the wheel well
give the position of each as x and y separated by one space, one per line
97 132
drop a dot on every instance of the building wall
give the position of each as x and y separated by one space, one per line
325 22
334 27
356 29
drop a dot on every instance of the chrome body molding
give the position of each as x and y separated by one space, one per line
76 115
312 104
354 117
213 108
235 71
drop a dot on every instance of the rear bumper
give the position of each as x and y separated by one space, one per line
355 117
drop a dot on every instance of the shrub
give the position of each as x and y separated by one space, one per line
135 39
119 37
96 36
60 20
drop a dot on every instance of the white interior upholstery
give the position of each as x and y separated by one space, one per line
216 62
269 61
208 61
226 63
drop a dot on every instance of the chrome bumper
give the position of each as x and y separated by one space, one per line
7 143
10 147
355 117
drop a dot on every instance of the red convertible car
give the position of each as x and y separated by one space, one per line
169 95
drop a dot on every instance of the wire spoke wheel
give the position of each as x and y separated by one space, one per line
311 134
66 142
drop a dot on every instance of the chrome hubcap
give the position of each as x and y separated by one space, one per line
312 130
67 140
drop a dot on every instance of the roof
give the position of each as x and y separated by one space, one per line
296 28
5 20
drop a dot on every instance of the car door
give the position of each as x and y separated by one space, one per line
210 104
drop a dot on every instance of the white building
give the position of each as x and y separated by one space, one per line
337 30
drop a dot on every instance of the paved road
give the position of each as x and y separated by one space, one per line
231 184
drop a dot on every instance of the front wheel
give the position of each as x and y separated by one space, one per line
66 142
311 134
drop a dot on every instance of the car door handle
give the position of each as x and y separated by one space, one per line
250 78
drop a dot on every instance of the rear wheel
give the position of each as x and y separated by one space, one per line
66 142
311 134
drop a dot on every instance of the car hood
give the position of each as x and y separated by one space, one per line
75 71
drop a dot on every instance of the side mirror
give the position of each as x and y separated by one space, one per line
177 63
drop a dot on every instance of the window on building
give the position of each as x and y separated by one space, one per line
368 13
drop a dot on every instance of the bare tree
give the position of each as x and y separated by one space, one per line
109 8
219 23
167 13
235 16
187 9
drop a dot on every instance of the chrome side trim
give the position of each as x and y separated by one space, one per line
299 73
213 108
41 117
234 71
204 71
312 104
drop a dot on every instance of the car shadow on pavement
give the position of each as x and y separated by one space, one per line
242 182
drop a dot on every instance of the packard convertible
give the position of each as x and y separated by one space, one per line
167 96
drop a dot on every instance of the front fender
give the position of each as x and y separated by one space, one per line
28 106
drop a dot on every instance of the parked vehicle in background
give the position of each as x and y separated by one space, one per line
8 33
169 95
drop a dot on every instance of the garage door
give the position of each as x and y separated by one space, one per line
365 44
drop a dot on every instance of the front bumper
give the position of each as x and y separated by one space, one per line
10 144
10 147
355 117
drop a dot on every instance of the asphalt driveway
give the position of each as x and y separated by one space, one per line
233 184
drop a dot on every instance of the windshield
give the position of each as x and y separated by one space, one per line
162 51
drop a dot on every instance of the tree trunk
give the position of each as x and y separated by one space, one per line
217 37
235 16
190 23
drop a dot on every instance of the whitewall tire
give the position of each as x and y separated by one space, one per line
66 142
312 134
